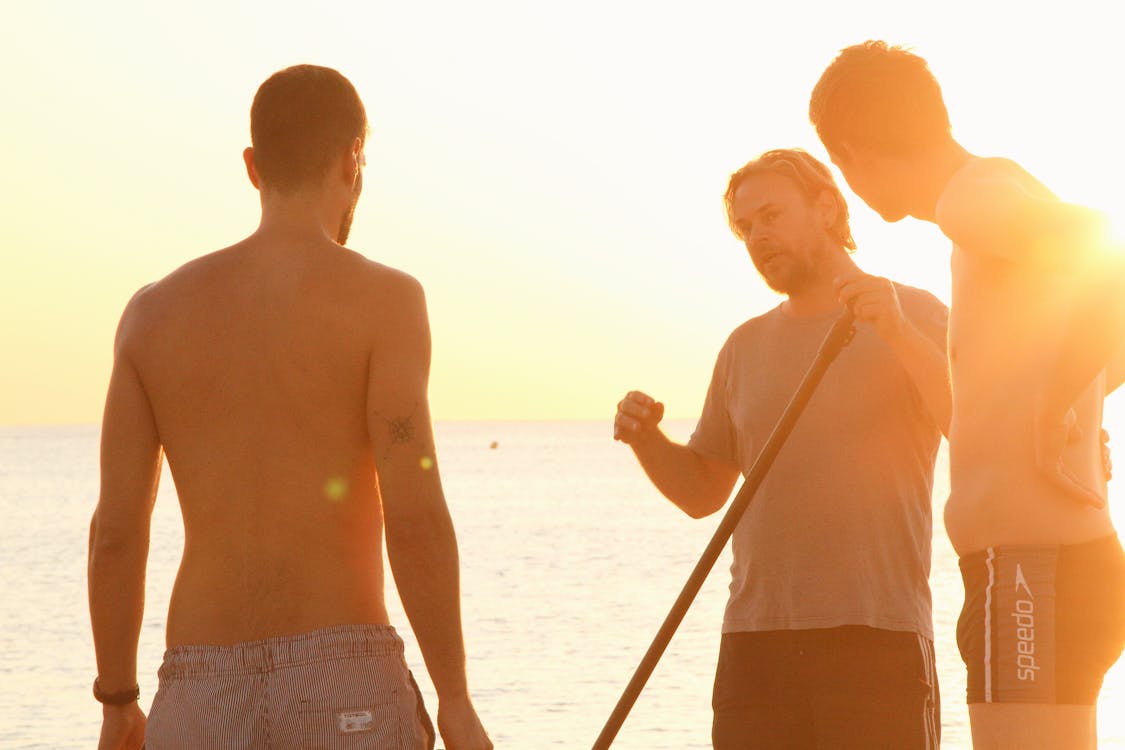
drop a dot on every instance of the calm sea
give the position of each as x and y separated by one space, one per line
570 561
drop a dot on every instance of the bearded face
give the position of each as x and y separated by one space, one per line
786 269
781 229
790 265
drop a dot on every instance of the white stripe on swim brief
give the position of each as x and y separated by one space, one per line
988 625
929 726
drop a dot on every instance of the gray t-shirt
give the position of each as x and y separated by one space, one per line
839 531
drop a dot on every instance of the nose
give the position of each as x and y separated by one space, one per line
758 239
758 232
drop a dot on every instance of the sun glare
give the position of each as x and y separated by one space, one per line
1116 228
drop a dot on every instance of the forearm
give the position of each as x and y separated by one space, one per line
696 485
1094 335
423 557
927 366
116 581
1115 373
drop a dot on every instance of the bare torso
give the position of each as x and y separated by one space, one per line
256 360
1005 324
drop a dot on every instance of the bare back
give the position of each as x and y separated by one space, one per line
1006 323
256 362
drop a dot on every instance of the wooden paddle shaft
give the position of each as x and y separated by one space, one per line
834 342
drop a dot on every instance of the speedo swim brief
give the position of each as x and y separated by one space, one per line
1042 623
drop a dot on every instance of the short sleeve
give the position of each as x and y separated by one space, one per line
714 435
927 313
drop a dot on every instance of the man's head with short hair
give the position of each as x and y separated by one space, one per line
879 97
788 212
810 176
302 119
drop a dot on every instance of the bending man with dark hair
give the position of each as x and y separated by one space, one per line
285 378
1035 323
828 637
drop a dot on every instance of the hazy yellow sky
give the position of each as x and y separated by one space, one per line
552 173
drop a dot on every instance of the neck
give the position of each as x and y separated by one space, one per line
819 296
301 214
935 169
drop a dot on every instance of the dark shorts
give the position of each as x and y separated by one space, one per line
345 686
848 688
1043 623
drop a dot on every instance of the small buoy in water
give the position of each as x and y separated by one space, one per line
494 445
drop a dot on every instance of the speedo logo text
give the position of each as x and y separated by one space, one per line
1024 614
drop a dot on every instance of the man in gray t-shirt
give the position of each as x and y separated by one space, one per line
828 638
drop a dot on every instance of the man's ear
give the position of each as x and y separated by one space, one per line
827 209
352 162
251 170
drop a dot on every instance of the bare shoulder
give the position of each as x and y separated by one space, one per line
976 180
192 275
136 321
989 205
383 280
156 300
382 293
979 176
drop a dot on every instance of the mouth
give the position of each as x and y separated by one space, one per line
770 256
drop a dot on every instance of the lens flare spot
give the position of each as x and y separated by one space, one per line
426 463
336 489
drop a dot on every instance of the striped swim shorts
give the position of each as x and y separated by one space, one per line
345 686
1042 624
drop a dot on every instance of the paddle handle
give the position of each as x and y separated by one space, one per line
834 342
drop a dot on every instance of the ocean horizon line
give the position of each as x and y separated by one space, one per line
13 426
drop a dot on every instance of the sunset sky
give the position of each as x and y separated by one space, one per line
552 173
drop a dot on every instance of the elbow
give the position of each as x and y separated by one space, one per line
945 420
942 422
703 505
711 490
114 541
699 512
423 533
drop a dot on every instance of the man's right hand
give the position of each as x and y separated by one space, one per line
638 415
460 726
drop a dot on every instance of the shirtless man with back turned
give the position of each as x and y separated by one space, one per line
1030 345
285 377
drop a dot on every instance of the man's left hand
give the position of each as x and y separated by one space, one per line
1052 435
123 728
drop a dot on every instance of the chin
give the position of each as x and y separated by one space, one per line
892 215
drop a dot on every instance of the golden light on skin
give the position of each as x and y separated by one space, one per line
426 463
336 489
1116 231
1110 232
